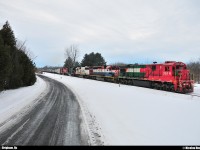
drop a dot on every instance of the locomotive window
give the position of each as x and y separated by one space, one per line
153 68
173 69
180 67
166 68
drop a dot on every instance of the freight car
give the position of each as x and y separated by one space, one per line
62 70
169 76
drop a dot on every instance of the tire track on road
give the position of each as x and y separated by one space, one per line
55 120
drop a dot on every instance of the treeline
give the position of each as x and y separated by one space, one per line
16 68
92 59
194 67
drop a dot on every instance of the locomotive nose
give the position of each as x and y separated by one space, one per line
184 74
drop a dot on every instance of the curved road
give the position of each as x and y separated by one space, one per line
55 119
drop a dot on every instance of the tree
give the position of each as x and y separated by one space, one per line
69 63
71 54
194 67
28 67
5 65
16 68
93 59
22 47
8 35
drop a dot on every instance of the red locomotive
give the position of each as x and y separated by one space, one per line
169 76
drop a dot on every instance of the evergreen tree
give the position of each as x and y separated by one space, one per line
68 63
5 65
93 59
17 71
8 35
16 68
28 67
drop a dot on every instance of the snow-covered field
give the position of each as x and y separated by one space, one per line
128 115
122 115
13 101
196 89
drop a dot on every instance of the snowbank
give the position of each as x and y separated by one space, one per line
13 101
129 115
197 89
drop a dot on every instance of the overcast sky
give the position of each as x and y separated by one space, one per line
129 31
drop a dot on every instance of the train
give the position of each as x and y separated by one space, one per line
169 76
58 70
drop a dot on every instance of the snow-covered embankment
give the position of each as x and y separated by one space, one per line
13 101
129 115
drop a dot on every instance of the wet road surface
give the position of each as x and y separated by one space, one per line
54 119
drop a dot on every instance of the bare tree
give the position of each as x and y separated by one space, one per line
22 47
72 52
194 67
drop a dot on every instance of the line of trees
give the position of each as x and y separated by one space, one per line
72 54
194 67
16 68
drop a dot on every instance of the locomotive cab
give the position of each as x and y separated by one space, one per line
182 75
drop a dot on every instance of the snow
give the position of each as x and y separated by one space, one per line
129 115
14 101
120 114
196 89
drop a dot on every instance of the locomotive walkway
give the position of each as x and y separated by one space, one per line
53 120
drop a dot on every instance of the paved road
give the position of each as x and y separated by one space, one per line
54 120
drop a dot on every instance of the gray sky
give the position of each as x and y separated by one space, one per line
127 31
